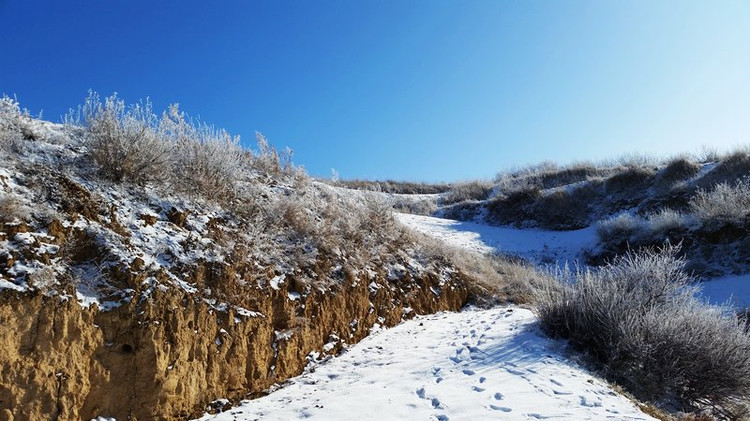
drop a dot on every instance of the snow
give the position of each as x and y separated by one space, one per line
555 248
733 290
538 246
472 365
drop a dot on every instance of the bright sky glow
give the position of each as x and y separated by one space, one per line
425 90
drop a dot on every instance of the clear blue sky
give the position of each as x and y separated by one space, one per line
423 90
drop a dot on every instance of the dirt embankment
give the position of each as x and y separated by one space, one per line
167 356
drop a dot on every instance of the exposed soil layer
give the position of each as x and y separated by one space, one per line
169 355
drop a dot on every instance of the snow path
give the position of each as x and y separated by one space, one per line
472 365
554 248
538 246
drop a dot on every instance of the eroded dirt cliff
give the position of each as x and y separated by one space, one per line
167 356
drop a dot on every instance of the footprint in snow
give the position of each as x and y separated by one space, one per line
515 372
468 372
589 404
500 408
540 416
478 389
499 396
420 393
442 417
482 379
436 403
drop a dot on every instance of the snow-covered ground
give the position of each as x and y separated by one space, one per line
473 365
538 246
733 290
553 248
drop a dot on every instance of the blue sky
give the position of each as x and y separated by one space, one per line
424 90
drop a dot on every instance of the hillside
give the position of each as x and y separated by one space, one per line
641 265
150 264
701 202
151 267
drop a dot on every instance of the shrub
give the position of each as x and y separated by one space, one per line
416 206
620 228
656 228
662 224
12 209
123 141
726 204
636 161
639 320
15 124
207 161
462 192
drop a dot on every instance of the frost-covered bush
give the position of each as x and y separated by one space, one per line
131 143
725 204
666 221
619 228
206 161
124 141
15 124
640 321
267 160
655 228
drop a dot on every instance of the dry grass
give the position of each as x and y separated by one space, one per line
630 181
12 209
492 279
393 186
730 168
677 170
467 191
561 210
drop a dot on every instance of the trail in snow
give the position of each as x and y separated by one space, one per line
538 246
472 365
554 248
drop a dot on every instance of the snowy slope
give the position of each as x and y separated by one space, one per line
555 248
472 365
538 246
